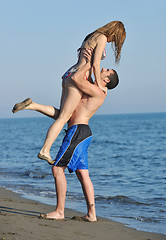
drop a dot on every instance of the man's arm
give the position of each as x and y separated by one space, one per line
84 85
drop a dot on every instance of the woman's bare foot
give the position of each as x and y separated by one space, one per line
45 156
53 215
22 105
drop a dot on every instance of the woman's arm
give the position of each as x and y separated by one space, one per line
81 72
101 43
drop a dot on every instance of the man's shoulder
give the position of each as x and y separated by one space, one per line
98 93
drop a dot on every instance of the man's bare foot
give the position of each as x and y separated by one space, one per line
89 218
85 218
48 158
52 216
22 105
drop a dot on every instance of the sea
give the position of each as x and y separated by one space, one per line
127 165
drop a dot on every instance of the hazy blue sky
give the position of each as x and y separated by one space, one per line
39 39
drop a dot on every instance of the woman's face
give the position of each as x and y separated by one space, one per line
110 39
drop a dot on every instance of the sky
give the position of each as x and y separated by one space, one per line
39 42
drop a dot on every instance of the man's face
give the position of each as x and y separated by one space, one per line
105 73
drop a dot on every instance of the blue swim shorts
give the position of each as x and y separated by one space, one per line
73 151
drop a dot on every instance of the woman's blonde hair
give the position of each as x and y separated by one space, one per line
116 31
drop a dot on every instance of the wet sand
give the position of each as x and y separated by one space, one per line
19 220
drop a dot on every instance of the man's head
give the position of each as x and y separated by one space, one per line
110 77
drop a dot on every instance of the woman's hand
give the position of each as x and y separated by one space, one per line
87 53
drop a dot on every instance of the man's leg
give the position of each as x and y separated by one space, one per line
88 190
61 187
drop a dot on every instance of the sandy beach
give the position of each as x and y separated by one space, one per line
19 219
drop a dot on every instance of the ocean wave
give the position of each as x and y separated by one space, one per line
33 174
118 199
24 174
139 218
49 194
146 219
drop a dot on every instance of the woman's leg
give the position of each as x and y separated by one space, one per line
71 99
28 104
88 190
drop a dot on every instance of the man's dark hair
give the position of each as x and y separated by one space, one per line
114 80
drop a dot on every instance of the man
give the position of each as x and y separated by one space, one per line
73 152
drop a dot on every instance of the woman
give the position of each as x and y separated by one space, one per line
95 42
